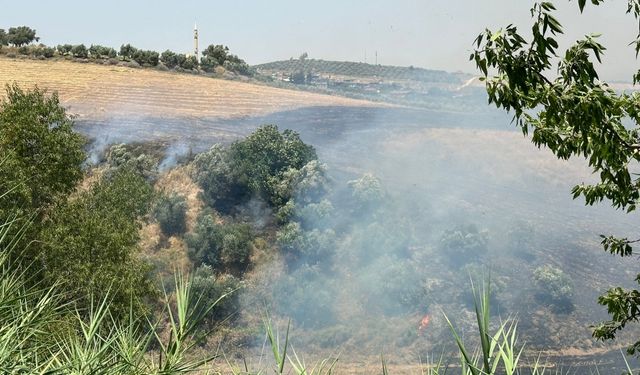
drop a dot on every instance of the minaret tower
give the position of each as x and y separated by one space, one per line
195 42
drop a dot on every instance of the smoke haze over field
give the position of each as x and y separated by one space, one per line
386 264
406 202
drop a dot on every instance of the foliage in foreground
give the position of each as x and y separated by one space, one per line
561 99
41 333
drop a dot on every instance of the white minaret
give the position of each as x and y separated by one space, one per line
195 42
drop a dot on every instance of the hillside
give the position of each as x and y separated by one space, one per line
389 257
409 86
358 69
97 91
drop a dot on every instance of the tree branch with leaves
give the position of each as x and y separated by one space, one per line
572 112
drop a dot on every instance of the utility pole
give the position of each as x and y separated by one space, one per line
376 57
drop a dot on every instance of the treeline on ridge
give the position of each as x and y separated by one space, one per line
215 58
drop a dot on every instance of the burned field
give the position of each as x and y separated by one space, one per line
456 195
441 173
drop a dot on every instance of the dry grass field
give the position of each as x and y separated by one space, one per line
95 91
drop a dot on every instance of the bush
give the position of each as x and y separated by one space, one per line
99 52
43 51
367 193
79 51
236 246
464 243
221 246
314 247
207 288
121 157
90 244
263 157
554 286
64 49
171 212
306 296
219 179
254 166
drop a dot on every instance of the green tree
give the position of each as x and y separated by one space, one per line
222 246
171 213
64 49
220 179
554 285
266 155
169 59
3 38
99 52
255 166
218 53
90 244
208 63
37 135
21 35
187 62
80 51
572 112
127 51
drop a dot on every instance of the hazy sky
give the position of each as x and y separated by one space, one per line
428 33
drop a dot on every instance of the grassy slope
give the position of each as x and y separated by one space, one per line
92 90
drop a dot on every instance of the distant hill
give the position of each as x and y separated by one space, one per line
408 86
364 70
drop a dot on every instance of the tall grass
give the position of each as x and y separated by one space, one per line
499 352
41 334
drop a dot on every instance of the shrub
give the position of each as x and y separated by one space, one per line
221 246
79 51
219 179
64 49
90 244
464 243
314 247
43 51
554 285
99 52
309 309
367 192
209 288
171 212
236 246
121 157
256 165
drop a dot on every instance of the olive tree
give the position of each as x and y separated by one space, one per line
21 35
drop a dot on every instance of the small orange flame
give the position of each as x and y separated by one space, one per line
424 323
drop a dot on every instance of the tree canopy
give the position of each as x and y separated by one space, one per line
560 99
38 137
21 35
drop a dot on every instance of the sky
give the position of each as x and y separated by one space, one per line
434 34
